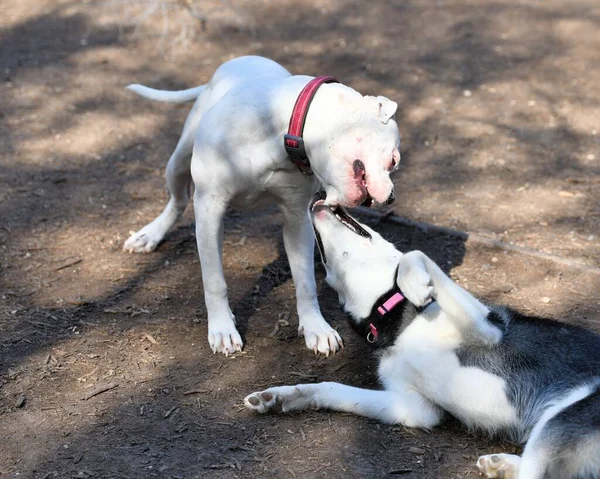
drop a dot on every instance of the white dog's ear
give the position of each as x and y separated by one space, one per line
386 108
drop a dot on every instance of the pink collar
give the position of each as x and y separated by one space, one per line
390 303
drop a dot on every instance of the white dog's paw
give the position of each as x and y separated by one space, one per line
224 338
282 399
501 466
319 336
414 281
145 240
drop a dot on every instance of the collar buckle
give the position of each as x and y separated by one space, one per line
294 146
373 334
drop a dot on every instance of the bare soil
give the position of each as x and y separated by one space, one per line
105 370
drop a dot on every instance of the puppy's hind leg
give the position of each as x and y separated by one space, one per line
564 443
179 179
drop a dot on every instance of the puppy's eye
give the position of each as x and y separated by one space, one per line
345 254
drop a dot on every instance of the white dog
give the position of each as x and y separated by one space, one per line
232 147
530 380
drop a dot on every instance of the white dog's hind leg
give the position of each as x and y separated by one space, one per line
223 336
420 279
179 179
406 406
299 244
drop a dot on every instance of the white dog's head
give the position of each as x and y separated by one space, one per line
361 266
354 145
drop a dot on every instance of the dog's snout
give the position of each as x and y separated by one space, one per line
359 168
391 198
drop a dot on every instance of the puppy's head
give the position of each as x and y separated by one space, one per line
361 266
355 145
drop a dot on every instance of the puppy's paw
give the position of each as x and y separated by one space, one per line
501 466
223 337
144 241
319 336
490 334
262 402
282 399
414 281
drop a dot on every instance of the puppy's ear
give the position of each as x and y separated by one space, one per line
386 108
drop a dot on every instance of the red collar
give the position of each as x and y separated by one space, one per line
293 141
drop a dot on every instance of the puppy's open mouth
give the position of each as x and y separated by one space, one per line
318 201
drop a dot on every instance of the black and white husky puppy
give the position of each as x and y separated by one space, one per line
531 380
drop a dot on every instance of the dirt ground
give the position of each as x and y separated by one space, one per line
500 118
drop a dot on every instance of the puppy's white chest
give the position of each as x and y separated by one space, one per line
425 360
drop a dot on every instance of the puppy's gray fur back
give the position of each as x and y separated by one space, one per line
541 361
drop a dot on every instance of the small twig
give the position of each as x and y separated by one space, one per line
340 367
69 264
150 338
100 390
170 411
219 466
40 323
196 391
397 472
303 375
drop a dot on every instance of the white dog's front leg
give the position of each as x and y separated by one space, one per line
300 249
223 336
405 406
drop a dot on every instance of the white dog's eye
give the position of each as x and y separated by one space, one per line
395 159
345 254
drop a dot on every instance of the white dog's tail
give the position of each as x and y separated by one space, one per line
165 95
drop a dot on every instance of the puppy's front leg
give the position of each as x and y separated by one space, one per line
300 249
420 279
403 406
209 210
